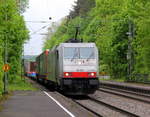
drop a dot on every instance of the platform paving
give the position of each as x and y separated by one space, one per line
31 104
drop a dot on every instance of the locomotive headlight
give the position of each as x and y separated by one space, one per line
92 74
66 74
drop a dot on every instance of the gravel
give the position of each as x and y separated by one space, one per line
130 105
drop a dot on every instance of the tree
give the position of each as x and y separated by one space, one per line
106 23
81 8
22 5
14 30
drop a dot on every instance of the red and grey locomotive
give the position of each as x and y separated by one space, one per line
73 67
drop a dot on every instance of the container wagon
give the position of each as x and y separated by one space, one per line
30 67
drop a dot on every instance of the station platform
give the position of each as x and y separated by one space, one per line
128 84
32 104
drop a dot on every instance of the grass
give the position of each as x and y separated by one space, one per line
113 79
21 85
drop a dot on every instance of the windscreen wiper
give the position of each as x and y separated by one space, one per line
91 55
75 54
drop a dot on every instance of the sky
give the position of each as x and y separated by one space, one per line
41 10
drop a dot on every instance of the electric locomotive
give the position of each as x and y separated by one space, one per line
71 66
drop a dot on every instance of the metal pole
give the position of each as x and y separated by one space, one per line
5 62
22 69
5 56
130 51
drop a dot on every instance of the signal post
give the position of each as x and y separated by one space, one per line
5 68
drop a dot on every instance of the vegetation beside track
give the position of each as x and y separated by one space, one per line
112 79
107 22
22 85
18 85
12 29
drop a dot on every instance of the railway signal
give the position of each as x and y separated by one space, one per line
6 68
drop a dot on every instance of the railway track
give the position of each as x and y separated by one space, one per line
130 114
87 108
110 110
67 101
96 106
127 94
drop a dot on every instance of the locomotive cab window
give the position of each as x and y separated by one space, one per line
70 53
79 53
87 53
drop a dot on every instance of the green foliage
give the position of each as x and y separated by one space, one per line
107 25
81 8
90 34
119 48
14 32
23 5
19 84
143 34
1 73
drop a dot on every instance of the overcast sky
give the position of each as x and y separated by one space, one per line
41 10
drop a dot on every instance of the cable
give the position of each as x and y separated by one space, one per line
39 29
38 21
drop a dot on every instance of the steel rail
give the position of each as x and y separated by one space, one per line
130 114
88 109
125 95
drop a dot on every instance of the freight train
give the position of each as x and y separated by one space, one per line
29 69
71 66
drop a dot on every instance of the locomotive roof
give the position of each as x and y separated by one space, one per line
77 45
